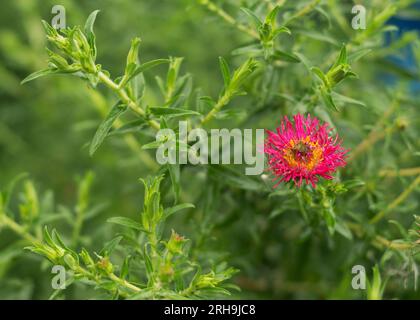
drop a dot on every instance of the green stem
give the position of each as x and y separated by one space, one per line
304 11
228 18
376 134
123 283
404 195
400 172
122 94
224 100
18 229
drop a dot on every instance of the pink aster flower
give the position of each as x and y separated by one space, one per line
303 150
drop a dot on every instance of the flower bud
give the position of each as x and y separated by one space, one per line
175 243
105 265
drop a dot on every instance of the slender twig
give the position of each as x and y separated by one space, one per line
378 241
124 283
223 100
404 195
376 134
18 229
392 244
407 172
304 11
228 18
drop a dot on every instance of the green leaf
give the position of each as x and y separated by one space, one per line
254 18
125 268
88 30
252 50
318 72
284 56
353 183
342 58
358 54
152 145
148 264
346 100
145 66
7 194
132 56
106 126
224 67
271 17
319 36
170 211
172 112
38 74
129 127
280 30
47 238
232 177
175 175
110 246
330 220
344 230
328 101
127 222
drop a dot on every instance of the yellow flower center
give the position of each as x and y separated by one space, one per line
303 153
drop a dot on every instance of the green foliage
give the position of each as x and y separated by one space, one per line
248 67
168 270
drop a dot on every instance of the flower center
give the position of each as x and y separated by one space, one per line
303 153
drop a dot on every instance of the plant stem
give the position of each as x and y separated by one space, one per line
400 172
125 98
391 244
224 100
304 11
228 18
123 283
397 201
379 240
375 135
18 229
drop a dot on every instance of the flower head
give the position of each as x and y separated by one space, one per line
303 150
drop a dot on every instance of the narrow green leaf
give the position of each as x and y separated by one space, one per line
145 66
342 58
346 100
170 211
254 18
328 101
175 174
284 56
162 111
127 222
280 30
318 72
271 17
38 74
88 29
358 54
224 67
152 145
106 126
110 246
125 268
